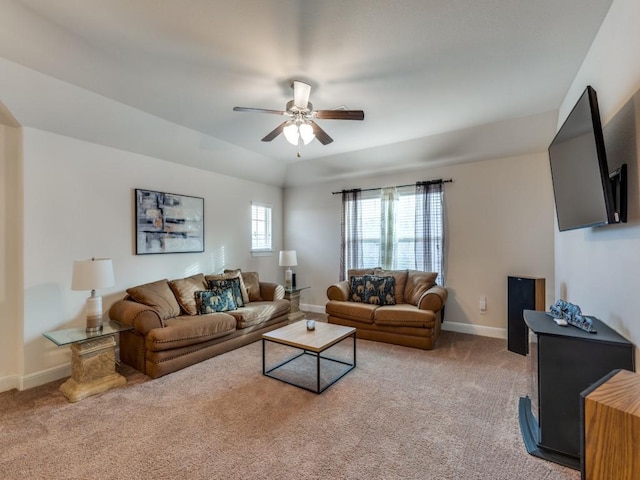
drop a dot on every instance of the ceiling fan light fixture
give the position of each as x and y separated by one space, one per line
306 133
291 133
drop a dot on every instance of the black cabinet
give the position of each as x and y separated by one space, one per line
565 361
523 293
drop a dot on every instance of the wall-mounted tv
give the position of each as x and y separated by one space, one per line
582 185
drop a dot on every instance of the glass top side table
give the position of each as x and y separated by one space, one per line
79 334
293 295
93 359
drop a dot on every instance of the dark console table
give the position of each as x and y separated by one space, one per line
564 361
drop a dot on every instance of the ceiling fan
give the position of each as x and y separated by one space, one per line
301 126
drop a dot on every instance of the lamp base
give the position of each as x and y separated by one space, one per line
288 279
94 313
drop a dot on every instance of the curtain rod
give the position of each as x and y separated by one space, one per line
428 182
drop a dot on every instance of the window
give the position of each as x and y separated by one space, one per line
260 228
394 228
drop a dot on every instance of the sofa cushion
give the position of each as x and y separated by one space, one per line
233 284
404 315
356 311
184 290
401 281
418 283
379 290
231 274
215 300
252 282
255 313
185 330
157 295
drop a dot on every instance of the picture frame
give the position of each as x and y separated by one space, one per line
168 222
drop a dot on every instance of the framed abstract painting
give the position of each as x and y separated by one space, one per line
168 223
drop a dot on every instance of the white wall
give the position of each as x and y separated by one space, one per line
78 203
10 255
499 223
598 268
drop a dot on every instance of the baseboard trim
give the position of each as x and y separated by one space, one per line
312 308
45 376
9 383
479 330
34 379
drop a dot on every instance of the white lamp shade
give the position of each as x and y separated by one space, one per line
288 258
92 274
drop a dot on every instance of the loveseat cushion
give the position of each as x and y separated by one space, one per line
184 290
358 312
401 281
404 315
157 295
255 313
359 271
418 283
186 330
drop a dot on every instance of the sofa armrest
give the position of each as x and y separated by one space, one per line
141 317
271 291
433 299
338 291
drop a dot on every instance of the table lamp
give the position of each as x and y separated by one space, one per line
91 275
288 259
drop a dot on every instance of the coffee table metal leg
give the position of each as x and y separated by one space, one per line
318 370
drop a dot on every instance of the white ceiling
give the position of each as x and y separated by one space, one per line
438 79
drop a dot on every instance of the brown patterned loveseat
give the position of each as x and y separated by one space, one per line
408 314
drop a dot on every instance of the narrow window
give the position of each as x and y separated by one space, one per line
261 228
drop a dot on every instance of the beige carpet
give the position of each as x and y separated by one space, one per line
401 414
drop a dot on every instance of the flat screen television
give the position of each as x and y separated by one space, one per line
583 189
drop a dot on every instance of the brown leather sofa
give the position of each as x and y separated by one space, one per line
168 333
413 321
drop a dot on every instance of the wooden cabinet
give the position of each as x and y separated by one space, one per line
611 441
568 361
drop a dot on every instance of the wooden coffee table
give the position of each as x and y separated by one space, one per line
310 342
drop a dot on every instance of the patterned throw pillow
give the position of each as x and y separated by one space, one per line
356 288
379 290
233 284
210 301
231 274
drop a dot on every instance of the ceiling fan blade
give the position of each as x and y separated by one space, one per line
339 114
258 110
274 133
301 92
320 134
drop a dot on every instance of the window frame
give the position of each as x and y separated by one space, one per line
265 247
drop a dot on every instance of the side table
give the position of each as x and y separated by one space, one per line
293 295
93 359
